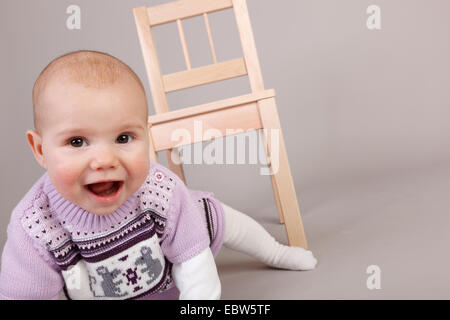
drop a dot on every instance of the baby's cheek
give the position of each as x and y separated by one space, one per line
141 164
66 176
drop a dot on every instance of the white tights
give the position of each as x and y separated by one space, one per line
244 234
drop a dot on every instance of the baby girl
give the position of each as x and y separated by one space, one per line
104 222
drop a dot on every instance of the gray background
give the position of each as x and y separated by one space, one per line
365 116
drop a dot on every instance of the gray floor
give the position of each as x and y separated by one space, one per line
398 221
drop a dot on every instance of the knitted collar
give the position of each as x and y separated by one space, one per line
70 214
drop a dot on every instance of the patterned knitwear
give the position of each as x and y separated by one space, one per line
54 245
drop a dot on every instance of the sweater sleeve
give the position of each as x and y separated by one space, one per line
187 234
26 272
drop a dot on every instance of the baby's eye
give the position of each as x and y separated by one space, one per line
76 142
124 138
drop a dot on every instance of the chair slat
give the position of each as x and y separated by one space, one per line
209 107
204 75
182 9
184 45
210 38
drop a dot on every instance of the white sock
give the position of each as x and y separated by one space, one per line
244 234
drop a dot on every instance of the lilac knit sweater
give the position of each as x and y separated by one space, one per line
54 245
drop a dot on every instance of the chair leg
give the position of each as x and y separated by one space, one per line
174 163
173 160
277 199
266 144
284 185
152 153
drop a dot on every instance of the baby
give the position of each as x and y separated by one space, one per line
104 222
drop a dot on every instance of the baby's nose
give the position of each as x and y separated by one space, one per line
104 158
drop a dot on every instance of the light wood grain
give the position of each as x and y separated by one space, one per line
283 178
184 45
151 60
204 75
170 12
248 45
210 38
209 107
243 117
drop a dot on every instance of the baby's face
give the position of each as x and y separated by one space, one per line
92 135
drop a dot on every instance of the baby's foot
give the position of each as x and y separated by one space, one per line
305 259
295 258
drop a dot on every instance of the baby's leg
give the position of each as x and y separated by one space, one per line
244 234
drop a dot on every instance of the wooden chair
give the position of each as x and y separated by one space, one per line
254 111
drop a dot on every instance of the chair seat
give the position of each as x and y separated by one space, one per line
209 107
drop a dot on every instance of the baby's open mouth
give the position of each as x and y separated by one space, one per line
104 189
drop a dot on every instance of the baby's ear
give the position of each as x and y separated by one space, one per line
35 142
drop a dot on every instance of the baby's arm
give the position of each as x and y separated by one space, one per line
186 244
26 273
197 278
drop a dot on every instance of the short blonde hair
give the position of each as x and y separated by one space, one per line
87 67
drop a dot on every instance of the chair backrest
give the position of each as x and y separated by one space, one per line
160 85
254 111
